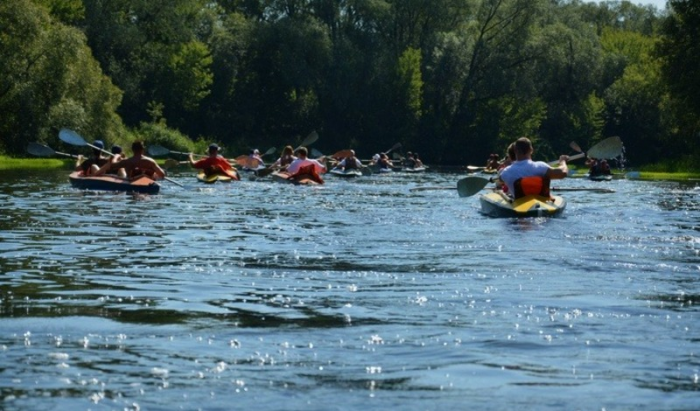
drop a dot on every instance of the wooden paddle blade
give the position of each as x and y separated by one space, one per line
40 150
71 137
469 186
247 162
339 155
394 147
169 163
608 148
575 147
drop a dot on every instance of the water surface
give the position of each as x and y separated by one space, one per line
355 295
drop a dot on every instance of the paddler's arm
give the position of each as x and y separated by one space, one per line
157 170
105 168
561 171
79 162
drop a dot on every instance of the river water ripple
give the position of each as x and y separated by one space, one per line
350 296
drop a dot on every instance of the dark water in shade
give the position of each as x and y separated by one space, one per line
351 296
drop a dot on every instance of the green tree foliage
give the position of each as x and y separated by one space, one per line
49 80
452 79
679 51
142 44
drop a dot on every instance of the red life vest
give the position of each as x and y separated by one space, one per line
307 171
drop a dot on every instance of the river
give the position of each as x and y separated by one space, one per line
354 295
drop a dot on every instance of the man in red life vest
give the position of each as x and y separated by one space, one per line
214 164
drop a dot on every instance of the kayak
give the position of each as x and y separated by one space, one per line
283 177
600 177
414 169
213 178
142 184
346 173
377 170
497 204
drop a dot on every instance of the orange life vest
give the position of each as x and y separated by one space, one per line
534 185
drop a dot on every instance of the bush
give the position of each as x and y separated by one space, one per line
157 133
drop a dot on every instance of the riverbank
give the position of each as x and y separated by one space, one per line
12 163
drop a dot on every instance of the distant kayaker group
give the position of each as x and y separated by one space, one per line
293 165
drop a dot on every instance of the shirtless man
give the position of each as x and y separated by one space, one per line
135 165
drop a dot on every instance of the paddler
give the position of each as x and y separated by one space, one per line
304 167
286 158
492 163
418 162
118 155
524 167
409 161
254 157
92 165
384 163
350 162
136 165
214 163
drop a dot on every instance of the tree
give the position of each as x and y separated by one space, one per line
49 80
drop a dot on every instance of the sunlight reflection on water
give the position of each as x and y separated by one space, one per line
363 291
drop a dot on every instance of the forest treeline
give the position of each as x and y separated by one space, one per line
452 79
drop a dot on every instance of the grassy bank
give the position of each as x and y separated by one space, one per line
662 176
10 163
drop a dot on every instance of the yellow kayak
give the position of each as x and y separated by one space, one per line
213 178
497 204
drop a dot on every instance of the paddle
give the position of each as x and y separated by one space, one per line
394 147
475 168
247 162
471 185
269 151
339 155
174 163
41 150
309 140
609 148
157 150
73 138
594 190
575 147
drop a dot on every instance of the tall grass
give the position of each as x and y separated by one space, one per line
9 163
